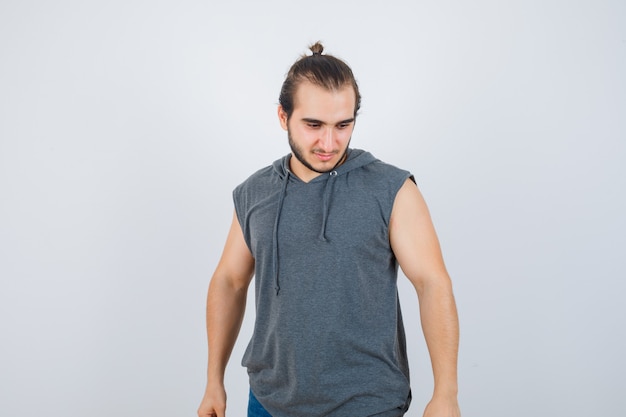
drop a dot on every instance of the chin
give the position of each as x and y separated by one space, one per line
325 166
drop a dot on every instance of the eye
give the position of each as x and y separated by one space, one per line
343 125
313 125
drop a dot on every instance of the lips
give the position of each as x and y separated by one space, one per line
324 157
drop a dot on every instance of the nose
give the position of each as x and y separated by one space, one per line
327 139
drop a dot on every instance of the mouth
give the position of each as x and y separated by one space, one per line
324 157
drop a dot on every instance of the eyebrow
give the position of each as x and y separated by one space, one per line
309 120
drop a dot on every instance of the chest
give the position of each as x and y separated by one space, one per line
344 216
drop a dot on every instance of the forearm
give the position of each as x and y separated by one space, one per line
225 310
441 331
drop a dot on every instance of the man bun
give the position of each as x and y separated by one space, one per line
317 48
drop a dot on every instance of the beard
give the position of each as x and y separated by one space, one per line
297 152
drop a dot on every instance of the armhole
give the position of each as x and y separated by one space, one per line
395 189
239 212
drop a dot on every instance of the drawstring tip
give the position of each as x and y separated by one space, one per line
277 289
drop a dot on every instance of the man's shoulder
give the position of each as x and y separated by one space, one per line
381 171
260 181
370 165
258 176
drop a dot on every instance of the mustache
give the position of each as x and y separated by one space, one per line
317 150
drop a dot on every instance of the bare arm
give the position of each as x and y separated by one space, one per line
416 247
226 303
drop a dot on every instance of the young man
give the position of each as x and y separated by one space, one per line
323 230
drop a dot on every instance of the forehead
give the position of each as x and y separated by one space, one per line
313 98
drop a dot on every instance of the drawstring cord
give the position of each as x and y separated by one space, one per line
326 203
281 198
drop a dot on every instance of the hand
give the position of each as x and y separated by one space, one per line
214 402
442 407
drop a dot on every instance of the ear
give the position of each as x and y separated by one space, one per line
282 117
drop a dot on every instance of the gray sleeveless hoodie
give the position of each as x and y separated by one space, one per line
328 337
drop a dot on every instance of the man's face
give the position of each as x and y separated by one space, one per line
319 129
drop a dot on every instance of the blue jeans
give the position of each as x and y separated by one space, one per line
255 409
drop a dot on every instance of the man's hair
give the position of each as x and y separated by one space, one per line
322 70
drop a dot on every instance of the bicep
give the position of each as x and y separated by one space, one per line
413 238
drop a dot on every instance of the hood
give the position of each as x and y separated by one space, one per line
356 158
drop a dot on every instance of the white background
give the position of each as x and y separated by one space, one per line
124 126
